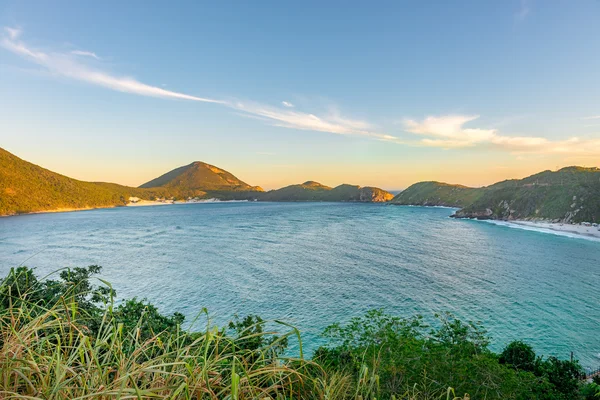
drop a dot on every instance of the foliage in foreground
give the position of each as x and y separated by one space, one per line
66 339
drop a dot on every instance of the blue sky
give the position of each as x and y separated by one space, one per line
382 94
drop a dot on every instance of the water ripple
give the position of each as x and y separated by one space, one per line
313 264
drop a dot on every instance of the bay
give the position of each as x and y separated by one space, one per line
313 264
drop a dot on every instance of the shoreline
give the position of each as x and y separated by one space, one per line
577 231
564 229
424 206
555 228
147 203
57 210
141 203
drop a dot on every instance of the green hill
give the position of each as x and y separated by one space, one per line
437 194
200 179
314 191
26 187
571 194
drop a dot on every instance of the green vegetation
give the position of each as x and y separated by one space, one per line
199 179
570 194
25 187
66 339
314 191
437 194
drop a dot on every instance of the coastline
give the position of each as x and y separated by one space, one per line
140 203
555 228
146 203
543 226
423 206
56 210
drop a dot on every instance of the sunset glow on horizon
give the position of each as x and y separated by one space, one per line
379 97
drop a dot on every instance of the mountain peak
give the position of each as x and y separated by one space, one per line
199 176
313 184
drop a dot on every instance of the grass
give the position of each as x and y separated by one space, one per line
51 356
67 339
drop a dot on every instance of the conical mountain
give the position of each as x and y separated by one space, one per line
199 176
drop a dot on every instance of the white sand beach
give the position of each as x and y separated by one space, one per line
143 203
593 231
558 228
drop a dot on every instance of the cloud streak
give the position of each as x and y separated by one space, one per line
449 132
13 33
332 123
68 66
85 54
71 66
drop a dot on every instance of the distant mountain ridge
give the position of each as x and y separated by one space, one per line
28 188
315 191
571 194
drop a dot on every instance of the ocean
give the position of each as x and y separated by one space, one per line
314 264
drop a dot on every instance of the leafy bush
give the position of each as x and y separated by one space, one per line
65 339
520 355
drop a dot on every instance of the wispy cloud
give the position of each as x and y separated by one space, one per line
332 122
13 33
67 65
85 54
450 132
523 11
70 65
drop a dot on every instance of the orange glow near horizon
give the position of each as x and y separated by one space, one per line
389 176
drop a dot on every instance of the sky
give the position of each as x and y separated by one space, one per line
384 94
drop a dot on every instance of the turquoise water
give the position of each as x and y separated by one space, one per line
312 264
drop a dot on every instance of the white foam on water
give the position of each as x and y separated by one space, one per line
413 205
539 229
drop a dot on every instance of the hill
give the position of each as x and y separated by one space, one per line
199 179
571 194
26 187
314 191
437 194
